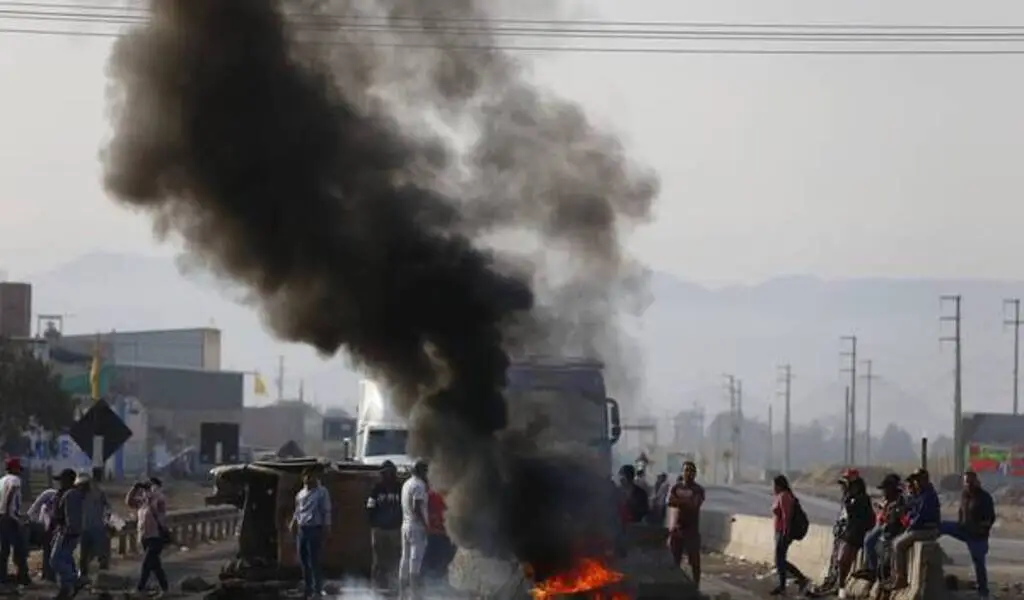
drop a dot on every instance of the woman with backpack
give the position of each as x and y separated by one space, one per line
790 525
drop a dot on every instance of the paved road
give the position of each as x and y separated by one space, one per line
752 499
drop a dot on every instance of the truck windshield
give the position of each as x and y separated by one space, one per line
382 442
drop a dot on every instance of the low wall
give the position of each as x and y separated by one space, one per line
752 539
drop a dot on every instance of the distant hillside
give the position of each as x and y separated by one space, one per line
689 336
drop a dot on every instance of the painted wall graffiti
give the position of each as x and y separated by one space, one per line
999 460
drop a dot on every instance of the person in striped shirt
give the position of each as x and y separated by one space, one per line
11 539
310 524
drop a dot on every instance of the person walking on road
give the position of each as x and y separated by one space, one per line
12 540
40 517
684 503
976 516
415 522
310 524
147 500
384 511
67 522
924 513
95 508
786 513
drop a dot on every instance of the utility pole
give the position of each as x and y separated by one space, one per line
786 378
868 377
730 473
846 428
958 409
851 356
770 462
1015 322
739 428
280 377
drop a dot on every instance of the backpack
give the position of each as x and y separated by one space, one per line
798 522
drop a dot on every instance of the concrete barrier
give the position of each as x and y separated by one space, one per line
752 539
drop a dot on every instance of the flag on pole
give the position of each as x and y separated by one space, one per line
259 387
94 370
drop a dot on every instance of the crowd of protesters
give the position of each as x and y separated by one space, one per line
75 515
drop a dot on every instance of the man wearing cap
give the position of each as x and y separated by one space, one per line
924 513
11 538
976 516
95 508
384 511
415 521
889 525
67 523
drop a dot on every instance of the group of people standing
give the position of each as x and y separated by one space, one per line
73 515
677 504
406 521
909 512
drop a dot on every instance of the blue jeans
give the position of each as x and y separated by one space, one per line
152 564
871 541
62 560
782 566
976 547
309 541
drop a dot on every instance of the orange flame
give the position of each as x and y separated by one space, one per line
589 575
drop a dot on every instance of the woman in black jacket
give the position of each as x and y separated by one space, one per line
860 518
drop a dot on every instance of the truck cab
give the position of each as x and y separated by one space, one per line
381 434
563 403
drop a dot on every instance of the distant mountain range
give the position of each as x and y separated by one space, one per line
689 336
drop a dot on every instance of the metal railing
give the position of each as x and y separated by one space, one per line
187 527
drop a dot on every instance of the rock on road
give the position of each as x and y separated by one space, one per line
755 499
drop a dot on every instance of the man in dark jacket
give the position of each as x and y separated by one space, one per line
924 513
634 498
977 514
384 511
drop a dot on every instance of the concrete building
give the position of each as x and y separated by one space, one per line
196 349
15 309
339 426
273 425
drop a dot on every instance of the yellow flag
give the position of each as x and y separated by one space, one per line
94 371
259 387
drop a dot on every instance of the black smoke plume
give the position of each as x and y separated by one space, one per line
269 143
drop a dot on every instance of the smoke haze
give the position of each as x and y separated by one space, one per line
308 156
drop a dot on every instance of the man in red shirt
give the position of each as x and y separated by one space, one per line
685 499
439 548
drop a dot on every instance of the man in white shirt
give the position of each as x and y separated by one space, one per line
11 538
414 529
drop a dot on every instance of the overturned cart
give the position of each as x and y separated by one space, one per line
265 492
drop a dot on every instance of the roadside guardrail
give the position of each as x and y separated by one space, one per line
187 527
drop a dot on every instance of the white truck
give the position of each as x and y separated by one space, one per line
560 401
381 433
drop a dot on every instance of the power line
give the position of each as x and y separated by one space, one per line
591 49
490 21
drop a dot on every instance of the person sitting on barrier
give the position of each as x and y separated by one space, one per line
147 499
976 516
785 512
831 581
685 501
888 525
384 511
860 518
924 512
310 525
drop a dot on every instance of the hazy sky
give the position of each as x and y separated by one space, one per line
829 165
